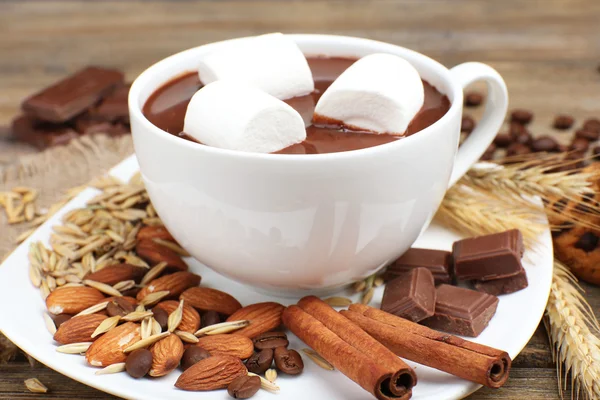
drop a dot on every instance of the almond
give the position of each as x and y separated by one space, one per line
108 349
117 273
166 354
154 232
190 321
229 344
154 253
72 300
212 373
78 329
175 283
263 317
207 299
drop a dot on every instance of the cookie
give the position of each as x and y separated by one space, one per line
578 245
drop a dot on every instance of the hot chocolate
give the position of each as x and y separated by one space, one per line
167 106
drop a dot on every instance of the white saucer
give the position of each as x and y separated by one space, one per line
516 320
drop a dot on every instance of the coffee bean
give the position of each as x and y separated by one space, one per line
563 122
596 152
517 149
210 318
473 99
61 319
562 148
544 143
138 363
588 135
162 317
587 242
270 340
192 355
288 361
502 140
244 387
260 362
592 124
468 124
521 116
132 292
119 306
515 130
579 144
488 154
523 138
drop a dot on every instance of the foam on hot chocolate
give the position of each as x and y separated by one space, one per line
380 93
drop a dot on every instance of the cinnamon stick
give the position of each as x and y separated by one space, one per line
374 377
471 361
403 377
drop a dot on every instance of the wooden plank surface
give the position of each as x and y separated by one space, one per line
547 51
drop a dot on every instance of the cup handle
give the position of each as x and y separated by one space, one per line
495 110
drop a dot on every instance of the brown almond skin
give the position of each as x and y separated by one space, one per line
78 329
166 354
244 387
154 253
207 299
108 349
212 373
138 363
154 232
190 321
229 344
114 274
263 317
72 300
175 283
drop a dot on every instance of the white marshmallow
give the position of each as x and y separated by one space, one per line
232 116
272 63
381 93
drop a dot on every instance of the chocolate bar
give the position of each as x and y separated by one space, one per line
507 285
461 311
437 261
73 95
114 107
488 257
411 295
40 134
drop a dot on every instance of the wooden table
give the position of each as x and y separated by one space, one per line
548 52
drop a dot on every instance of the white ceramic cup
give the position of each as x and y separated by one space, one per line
308 223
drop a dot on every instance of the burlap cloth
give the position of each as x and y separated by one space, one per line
56 170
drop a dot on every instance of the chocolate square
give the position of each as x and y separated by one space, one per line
500 286
40 134
439 262
411 295
488 257
461 311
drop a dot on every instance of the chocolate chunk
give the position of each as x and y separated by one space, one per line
473 99
508 285
114 107
461 311
73 95
488 257
563 122
468 124
592 124
521 116
259 362
544 143
579 144
270 340
244 387
588 135
41 134
411 295
138 363
192 355
587 242
288 361
517 149
438 262
502 140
